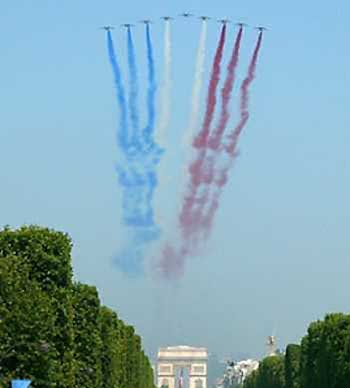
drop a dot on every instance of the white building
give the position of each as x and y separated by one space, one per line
237 372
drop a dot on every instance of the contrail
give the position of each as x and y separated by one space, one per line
166 86
133 82
197 85
151 93
122 135
221 177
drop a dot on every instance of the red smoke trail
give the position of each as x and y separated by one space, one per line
187 220
233 137
215 138
202 170
201 139
221 177
172 264
172 261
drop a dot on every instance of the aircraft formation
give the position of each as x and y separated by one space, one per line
209 142
185 15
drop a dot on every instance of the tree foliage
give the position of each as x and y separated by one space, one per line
87 336
292 366
321 361
55 332
325 353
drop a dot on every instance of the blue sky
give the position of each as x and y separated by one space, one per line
279 254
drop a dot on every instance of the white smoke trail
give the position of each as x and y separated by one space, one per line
164 121
197 87
166 87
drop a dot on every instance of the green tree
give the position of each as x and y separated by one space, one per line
27 320
54 332
46 255
110 354
251 380
271 373
325 357
292 366
87 336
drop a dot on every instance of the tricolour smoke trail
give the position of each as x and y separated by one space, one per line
207 163
197 85
164 116
221 177
187 221
195 102
151 92
122 136
133 85
172 259
215 138
172 263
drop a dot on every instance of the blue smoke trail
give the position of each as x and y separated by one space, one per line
151 93
133 95
123 120
139 158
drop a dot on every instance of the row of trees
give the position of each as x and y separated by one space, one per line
322 360
54 331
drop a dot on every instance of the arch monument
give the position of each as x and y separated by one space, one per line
173 358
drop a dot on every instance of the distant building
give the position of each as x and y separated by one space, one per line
236 373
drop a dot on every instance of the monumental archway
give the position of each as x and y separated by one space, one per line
174 357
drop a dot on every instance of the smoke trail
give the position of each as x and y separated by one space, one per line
139 180
196 168
226 91
122 136
201 139
197 85
166 87
133 81
221 177
203 168
136 163
171 258
151 93
244 112
173 261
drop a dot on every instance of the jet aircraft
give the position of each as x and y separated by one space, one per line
166 18
146 21
107 28
204 17
241 24
127 25
186 15
224 21
261 29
